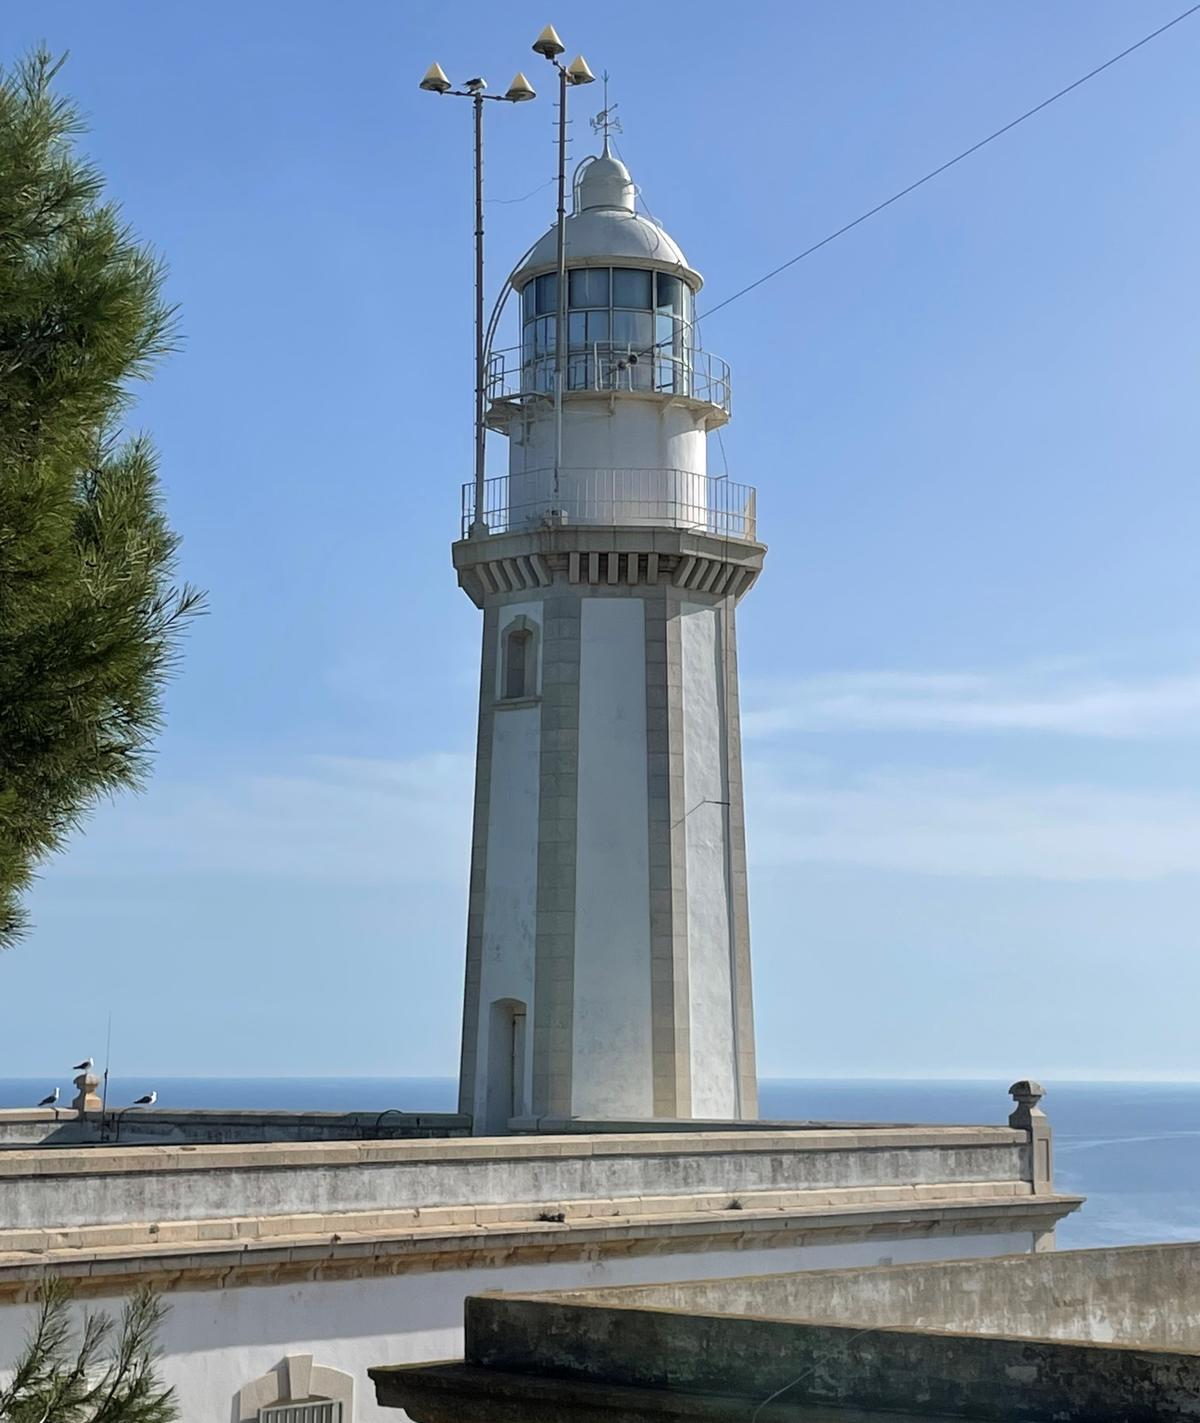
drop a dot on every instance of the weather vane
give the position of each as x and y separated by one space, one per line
605 122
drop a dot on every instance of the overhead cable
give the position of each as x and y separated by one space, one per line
958 158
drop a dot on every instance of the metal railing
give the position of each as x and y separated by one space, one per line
638 498
662 370
317 1410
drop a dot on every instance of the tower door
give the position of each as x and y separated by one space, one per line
506 1065
517 1095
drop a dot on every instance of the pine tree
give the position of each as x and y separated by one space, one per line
90 613
89 1378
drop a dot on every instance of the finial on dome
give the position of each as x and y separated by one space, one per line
605 123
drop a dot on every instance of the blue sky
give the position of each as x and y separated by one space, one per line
971 672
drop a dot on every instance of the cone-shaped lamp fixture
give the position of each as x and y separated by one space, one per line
578 71
520 89
435 80
548 43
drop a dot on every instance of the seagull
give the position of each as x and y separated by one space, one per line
51 1100
147 1101
82 1066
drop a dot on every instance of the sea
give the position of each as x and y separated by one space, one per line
1133 1149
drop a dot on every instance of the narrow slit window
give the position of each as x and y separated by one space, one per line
516 664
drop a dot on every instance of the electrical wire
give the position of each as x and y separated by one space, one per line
958 158
527 196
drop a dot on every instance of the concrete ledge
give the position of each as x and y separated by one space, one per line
463 1393
37 1127
104 1160
262 1227
219 1263
1130 1294
886 1367
580 1126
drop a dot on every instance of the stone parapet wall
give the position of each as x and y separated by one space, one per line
39 1126
96 1185
1134 1294
1074 1337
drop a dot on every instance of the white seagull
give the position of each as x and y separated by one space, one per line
51 1100
147 1101
82 1066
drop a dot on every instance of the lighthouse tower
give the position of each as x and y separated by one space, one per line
608 947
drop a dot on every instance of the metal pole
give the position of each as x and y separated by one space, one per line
478 527
560 325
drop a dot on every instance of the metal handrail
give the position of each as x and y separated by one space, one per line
648 498
688 371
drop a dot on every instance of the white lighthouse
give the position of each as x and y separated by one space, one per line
608 946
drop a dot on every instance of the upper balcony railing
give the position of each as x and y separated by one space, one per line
629 498
685 371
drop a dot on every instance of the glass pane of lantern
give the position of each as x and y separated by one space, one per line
547 293
632 329
528 304
686 305
631 287
668 294
588 287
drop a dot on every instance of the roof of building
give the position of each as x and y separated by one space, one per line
607 227
1057 1337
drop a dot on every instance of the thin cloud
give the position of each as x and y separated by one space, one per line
972 825
1020 702
328 819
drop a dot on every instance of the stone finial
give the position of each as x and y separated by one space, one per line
1027 1094
86 1099
1027 1116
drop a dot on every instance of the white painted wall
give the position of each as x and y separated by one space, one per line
706 836
613 1055
621 432
510 896
216 1341
661 445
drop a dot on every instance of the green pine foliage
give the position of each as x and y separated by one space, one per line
100 1375
90 612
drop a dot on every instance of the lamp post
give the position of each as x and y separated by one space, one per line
520 90
549 46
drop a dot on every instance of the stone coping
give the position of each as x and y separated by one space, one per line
111 1160
575 1126
233 1114
20 1115
290 1223
206 1264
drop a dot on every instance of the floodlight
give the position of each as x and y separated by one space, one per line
435 80
548 43
578 71
520 89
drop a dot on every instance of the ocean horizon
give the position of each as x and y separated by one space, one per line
1133 1148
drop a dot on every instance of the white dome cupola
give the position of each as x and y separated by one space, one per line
605 226
605 183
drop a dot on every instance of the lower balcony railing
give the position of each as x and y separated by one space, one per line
637 498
